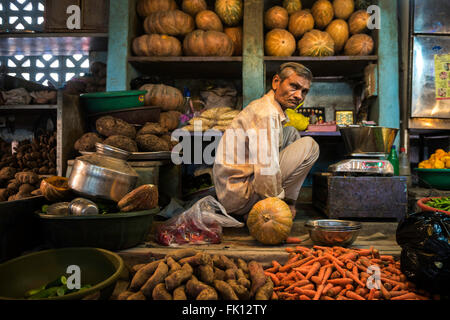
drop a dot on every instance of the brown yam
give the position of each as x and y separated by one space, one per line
218 263
137 296
241 291
229 264
124 295
194 287
26 188
242 278
136 268
160 293
242 265
158 276
178 277
230 274
208 294
265 292
200 258
87 142
173 265
26 177
110 126
219 274
206 273
143 274
257 276
225 290
180 293
7 173
182 253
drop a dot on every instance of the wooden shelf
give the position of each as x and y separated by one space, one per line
52 43
321 133
30 107
189 67
341 66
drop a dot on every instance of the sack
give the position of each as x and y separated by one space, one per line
201 224
219 97
425 258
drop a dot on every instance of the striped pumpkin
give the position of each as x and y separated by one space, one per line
280 43
316 43
323 13
338 30
359 45
292 5
300 22
230 11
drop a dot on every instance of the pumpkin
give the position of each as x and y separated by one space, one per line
208 20
55 188
157 45
276 17
229 11
193 6
292 6
235 34
146 7
280 43
316 43
173 23
343 8
208 43
166 97
323 13
270 221
338 30
359 45
358 21
300 22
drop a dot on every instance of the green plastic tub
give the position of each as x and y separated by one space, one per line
111 101
434 178
98 267
116 231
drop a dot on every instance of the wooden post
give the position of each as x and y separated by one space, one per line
253 72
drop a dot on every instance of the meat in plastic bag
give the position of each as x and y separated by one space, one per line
201 224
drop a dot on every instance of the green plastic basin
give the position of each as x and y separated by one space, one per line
115 231
111 101
98 267
435 178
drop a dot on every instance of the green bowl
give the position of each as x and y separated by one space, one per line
98 267
115 231
435 178
112 101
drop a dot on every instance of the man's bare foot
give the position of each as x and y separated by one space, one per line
293 210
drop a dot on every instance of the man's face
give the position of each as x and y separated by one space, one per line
290 92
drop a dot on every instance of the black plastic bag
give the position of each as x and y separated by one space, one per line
425 258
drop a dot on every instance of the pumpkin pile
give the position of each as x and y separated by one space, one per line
329 27
197 28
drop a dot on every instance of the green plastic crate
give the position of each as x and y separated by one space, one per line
112 101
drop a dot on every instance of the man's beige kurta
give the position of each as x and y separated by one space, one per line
238 182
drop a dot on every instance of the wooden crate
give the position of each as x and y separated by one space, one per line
94 15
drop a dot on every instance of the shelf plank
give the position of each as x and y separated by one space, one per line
323 66
30 107
52 43
189 67
321 133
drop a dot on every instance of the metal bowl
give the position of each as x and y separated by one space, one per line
333 232
368 140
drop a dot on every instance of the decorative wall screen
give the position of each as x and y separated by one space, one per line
18 16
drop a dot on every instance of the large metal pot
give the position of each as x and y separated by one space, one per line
104 174
368 140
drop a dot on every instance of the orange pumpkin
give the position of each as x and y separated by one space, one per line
316 43
343 8
270 221
358 22
208 43
359 45
146 7
276 17
301 22
208 20
193 6
338 30
323 13
173 23
166 97
55 188
157 45
235 34
292 5
280 43
229 11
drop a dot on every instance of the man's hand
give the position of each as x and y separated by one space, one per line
293 210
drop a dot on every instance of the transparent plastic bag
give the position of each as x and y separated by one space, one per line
201 224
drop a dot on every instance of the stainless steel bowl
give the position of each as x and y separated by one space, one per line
368 140
330 232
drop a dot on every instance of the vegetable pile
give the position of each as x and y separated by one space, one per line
440 203
337 273
189 274
56 288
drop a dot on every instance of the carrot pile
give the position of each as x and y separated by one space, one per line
337 273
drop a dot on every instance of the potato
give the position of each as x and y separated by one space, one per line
152 128
180 293
178 277
27 177
110 126
160 293
122 142
152 143
206 273
207 294
157 278
7 173
26 188
87 142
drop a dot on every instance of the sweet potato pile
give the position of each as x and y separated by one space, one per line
187 274
337 273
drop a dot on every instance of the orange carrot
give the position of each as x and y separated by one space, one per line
355 271
385 292
279 288
398 293
321 273
313 270
352 276
371 294
304 270
327 287
300 275
349 256
298 284
362 291
349 265
295 264
304 297
393 282
332 292
308 287
326 298
274 278
274 296
293 259
327 274
349 287
353 295
309 293
341 271
319 292
316 280
410 295
341 281
365 252
334 259
293 240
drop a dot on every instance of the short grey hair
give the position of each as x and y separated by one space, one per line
287 68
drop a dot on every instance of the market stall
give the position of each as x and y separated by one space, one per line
114 171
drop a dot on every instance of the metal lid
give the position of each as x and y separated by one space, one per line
333 225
